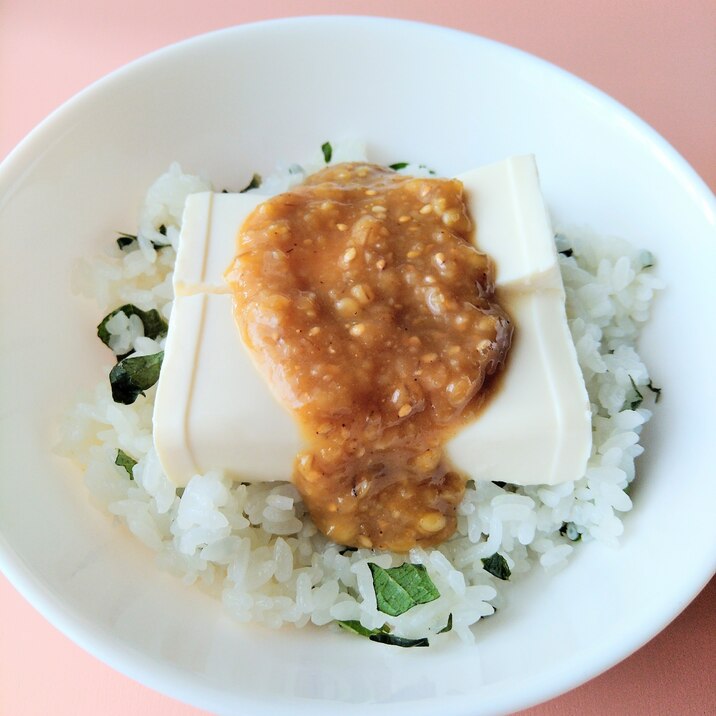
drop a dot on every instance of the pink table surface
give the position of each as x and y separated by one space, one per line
657 57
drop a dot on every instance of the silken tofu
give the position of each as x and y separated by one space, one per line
215 411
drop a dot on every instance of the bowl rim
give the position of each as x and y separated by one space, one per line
162 678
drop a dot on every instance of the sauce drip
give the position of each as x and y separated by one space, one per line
372 316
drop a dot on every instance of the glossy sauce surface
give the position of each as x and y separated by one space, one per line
372 315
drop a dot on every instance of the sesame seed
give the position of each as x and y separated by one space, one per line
451 216
426 209
358 329
314 331
350 254
364 294
347 307
378 209
404 219
370 192
413 254
405 410
440 258
432 522
380 264
341 227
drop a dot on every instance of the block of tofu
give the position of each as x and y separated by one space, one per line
208 238
512 223
537 427
215 411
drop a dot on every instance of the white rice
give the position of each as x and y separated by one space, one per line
255 547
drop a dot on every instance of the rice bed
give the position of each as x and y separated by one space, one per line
255 547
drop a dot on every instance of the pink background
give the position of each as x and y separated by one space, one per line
657 57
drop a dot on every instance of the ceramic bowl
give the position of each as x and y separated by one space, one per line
238 101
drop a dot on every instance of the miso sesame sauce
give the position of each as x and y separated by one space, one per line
372 315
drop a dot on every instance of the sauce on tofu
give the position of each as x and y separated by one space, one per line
372 316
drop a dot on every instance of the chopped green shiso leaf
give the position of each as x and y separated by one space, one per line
125 461
655 390
382 635
398 640
398 166
401 588
356 627
126 241
497 566
154 325
639 399
132 376
327 150
639 396
646 259
570 531
255 183
448 626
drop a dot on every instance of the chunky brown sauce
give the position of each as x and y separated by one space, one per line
372 315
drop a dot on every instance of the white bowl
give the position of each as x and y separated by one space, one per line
236 101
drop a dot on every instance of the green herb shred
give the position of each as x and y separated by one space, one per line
163 231
570 531
398 640
255 183
125 240
401 588
132 376
646 259
125 461
382 635
655 390
398 166
327 150
497 566
154 325
639 397
353 625
448 626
